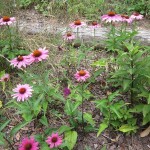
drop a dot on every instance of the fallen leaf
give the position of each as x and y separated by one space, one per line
146 132
18 136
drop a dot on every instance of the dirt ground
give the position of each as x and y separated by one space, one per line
112 139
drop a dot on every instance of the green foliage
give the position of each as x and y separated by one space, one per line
116 113
117 37
77 8
133 70
70 139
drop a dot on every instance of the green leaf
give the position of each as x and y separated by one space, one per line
146 119
18 127
45 105
64 128
36 104
126 84
137 109
76 105
70 139
116 111
68 108
2 140
45 146
89 119
44 121
100 63
146 110
104 148
27 116
102 127
127 128
148 99
4 125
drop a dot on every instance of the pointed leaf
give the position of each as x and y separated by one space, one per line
18 127
44 121
102 127
70 139
89 119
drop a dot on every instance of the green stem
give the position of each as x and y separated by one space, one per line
82 108
113 31
94 32
10 38
132 79
77 32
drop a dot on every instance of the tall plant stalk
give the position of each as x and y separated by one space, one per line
10 38
82 90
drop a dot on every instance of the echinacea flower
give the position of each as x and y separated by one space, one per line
66 91
54 140
29 144
5 20
111 17
38 55
136 16
5 78
77 23
94 25
82 75
127 19
22 92
69 36
20 61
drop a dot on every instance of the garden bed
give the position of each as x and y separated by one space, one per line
89 89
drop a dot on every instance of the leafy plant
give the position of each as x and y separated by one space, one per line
116 114
132 70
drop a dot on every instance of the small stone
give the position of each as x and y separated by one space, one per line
95 145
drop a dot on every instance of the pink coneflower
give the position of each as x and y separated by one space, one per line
5 20
38 55
22 92
28 144
94 25
77 23
136 16
126 18
82 75
5 78
20 61
54 140
111 17
66 91
69 36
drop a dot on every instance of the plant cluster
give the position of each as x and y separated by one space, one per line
78 8
37 98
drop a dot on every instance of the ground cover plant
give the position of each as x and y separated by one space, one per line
48 88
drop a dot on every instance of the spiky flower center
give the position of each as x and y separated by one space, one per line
82 73
94 23
136 14
77 22
54 139
28 146
125 16
37 53
5 79
69 34
20 58
111 13
22 90
6 18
